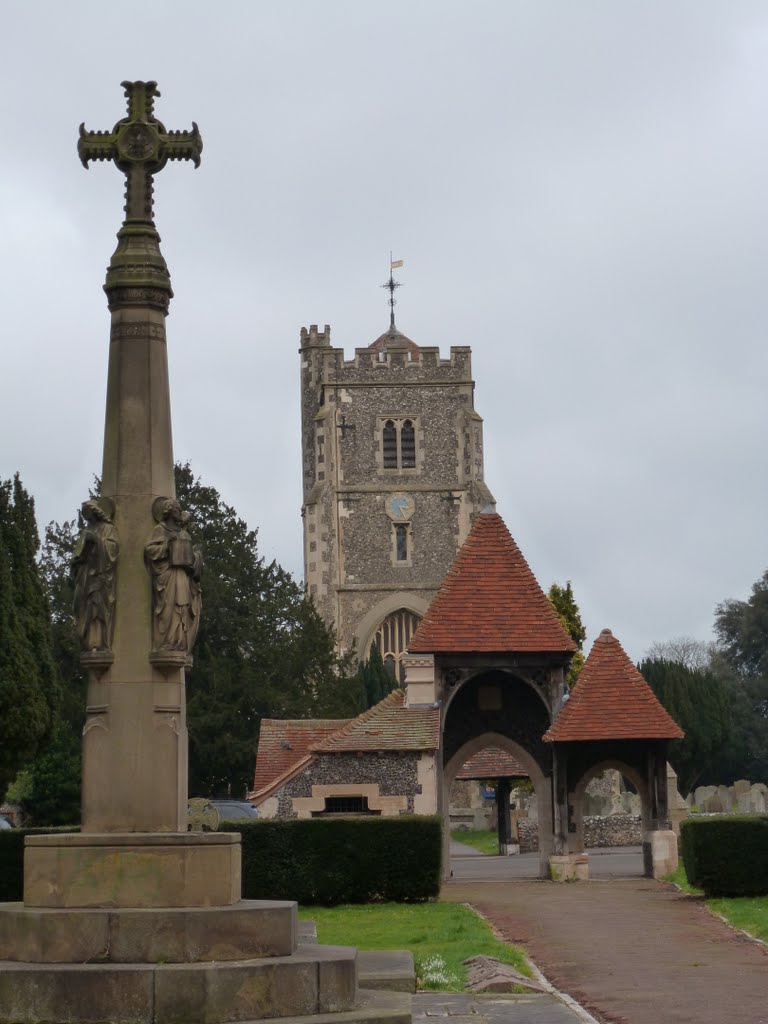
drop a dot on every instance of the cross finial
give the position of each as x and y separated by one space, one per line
140 147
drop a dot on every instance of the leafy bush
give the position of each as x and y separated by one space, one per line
727 855
333 860
12 860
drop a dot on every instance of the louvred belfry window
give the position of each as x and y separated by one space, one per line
408 445
398 444
389 439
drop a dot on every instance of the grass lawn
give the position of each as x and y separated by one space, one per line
750 913
485 842
440 936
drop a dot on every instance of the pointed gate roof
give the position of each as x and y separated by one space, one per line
490 601
612 701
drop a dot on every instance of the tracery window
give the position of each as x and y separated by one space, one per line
398 444
392 639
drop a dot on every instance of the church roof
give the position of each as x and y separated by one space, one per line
612 701
288 745
492 763
285 743
388 725
490 601
393 338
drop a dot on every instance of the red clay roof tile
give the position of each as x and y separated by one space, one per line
490 601
388 725
284 742
612 701
492 763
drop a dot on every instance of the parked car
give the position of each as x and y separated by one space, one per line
235 810
4 823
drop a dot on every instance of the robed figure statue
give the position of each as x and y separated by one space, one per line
94 562
176 566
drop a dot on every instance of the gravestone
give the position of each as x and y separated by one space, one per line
135 920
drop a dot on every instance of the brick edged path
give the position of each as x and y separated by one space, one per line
632 951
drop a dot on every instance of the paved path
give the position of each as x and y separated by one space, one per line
632 951
460 1008
616 862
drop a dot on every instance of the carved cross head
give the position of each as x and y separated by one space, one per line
140 147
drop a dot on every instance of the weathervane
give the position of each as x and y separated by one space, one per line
391 284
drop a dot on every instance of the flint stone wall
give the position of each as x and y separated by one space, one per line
394 773
616 830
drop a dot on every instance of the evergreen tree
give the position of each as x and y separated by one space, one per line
741 628
374 682
699 700
29 689
564 603
262 649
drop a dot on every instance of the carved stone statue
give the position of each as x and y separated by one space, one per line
176 566
93 565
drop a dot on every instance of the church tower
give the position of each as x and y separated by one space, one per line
393 479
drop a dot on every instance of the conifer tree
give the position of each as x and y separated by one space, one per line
373 679
564 603
29 690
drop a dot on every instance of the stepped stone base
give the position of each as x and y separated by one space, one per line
314 980
120 929
157 869
246 930
391 970
371 1008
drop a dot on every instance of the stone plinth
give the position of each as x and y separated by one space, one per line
135 870
246 930
315 980
569 867
660 853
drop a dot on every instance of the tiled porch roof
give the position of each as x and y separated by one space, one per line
612 701
490 601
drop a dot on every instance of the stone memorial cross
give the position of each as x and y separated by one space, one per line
145 586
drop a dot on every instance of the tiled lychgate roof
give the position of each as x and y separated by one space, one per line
388 725
492 763
490 601
612 701
285 742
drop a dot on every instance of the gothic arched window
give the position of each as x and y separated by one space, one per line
408 445
398 443
392 639
389 439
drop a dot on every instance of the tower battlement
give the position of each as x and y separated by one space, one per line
311 336
375 364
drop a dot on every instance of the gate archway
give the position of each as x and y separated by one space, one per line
497 708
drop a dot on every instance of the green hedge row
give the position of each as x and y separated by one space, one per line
726 855
341 860
332 860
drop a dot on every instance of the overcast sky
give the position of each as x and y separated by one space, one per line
578 191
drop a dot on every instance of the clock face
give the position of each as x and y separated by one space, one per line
400 507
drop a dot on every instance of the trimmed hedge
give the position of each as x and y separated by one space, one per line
726 855
319 860
12 860
341 860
